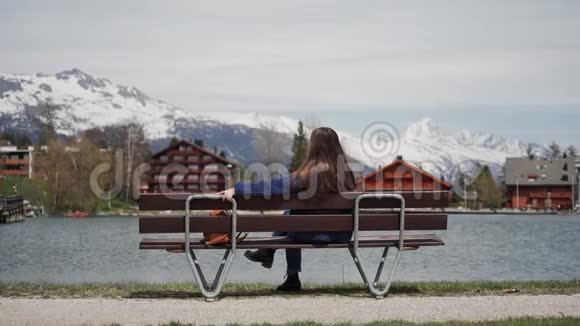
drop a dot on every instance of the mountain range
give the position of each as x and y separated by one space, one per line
83 101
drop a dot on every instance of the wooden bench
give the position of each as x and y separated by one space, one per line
371 212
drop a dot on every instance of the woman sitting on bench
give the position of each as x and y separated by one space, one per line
324 171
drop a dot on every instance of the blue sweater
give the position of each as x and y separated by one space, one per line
289 185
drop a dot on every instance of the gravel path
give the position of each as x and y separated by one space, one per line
16 311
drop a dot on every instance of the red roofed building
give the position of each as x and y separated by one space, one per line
402 176
187 167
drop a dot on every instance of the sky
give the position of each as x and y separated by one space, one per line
508 67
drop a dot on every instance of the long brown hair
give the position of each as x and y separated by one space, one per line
325 166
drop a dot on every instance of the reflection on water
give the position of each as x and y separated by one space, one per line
105 249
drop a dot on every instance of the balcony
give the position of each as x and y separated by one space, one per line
170 183
14 172
561 194
185 170
14 162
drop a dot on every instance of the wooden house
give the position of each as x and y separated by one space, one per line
541 183
402 176
187 167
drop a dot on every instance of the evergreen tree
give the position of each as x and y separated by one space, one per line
47 113
223 154
198 142
174 141
299 147
488 193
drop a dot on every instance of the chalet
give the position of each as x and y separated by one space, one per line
541 183
187 167
15 161
402 176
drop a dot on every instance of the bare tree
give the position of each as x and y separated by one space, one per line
571 151
130 138
531 148
554 150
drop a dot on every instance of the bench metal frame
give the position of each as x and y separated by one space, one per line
378 293
211 292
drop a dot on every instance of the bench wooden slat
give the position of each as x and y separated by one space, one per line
292 223
176 201
412 240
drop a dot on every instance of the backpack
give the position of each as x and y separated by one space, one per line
221 238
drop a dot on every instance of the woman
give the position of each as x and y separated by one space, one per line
325 170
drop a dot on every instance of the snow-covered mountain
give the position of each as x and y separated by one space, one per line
81 101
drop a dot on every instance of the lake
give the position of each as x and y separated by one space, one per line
478 247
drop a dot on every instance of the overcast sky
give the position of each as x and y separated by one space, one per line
512 67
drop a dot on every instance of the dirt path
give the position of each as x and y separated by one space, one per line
16 311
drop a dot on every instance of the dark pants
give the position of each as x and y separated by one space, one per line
294 256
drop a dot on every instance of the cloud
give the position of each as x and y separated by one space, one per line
304 55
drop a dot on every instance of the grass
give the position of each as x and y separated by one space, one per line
188 290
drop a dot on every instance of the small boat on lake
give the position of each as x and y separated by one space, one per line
78 214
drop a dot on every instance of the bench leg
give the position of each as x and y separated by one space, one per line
378 293
373 289
210 293
381 265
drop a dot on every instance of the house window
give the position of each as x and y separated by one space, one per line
206 157
193 157
213 187
193 167
564 177
178 157
211 177
565 167
164 158
193 177
177 178
213 167
193 186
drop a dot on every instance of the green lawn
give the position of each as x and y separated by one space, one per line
188 290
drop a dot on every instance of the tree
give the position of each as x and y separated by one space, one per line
554 150
174 141
572 151
198 142
54 167
299 148
531 148
223 154
16 138
488 193
129 138
47 120
96 136
84 158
